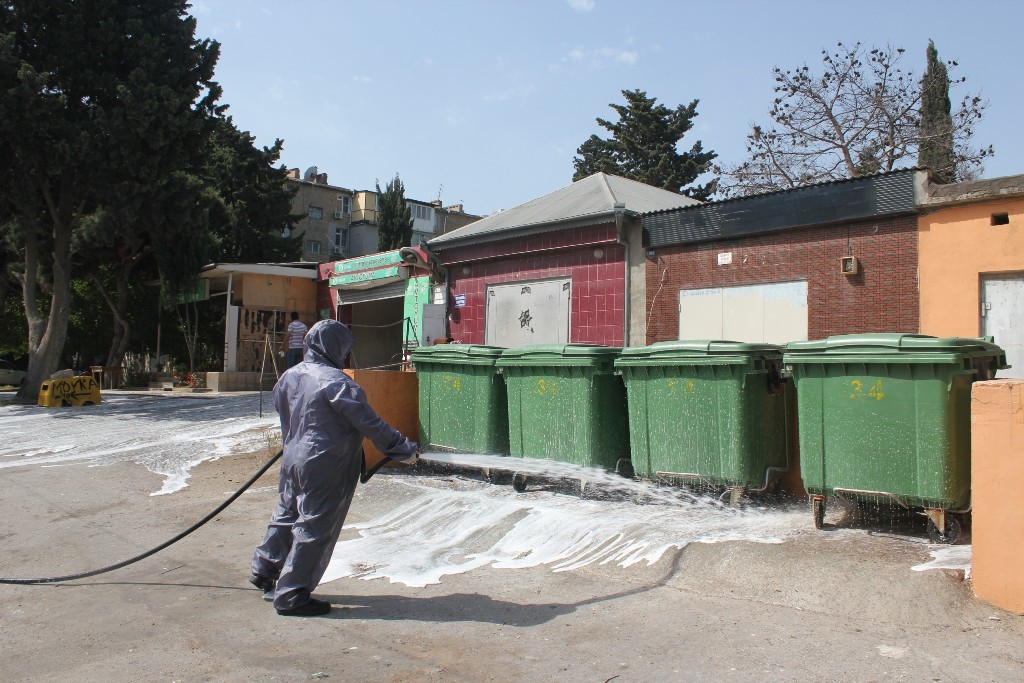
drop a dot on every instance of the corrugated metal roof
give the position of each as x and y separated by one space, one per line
822 204
798 190
594 195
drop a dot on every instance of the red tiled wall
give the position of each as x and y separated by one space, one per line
598 297
883 297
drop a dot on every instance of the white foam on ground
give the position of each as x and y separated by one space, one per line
949 557
168 436
443 532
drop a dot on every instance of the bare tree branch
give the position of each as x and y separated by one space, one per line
859 115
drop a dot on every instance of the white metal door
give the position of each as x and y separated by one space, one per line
434 319
524 313
773 314
1002 317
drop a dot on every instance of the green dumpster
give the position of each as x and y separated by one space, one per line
713 412
888 417
462 398
566 403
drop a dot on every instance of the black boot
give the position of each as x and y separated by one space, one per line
313 608
264 583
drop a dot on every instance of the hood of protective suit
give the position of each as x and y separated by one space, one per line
328 343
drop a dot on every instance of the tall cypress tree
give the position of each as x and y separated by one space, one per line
394 217
935 147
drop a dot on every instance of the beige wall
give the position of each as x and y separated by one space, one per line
365 206
267 301
274 292
957 245
997 478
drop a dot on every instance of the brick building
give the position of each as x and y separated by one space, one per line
834 258
563 268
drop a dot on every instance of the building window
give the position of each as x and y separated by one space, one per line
313 246
316 212
344 201
340 241
420 212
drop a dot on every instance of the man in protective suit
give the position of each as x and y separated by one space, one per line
324 419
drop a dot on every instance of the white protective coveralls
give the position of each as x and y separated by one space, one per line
324 418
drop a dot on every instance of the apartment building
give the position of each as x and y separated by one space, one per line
326 217
339 223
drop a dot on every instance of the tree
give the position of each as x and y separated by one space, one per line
255 197
102 99
644 146
860 115
935 149
394 218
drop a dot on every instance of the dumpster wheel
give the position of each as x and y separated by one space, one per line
950 534
735 496
818 510
519 482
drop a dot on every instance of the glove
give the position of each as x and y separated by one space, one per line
408 462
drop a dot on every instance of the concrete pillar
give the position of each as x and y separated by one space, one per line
637 293
997 484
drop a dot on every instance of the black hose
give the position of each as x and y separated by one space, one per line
165 544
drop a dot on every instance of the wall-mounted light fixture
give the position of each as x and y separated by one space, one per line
599 252
466 270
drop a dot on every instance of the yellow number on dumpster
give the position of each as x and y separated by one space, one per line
875 391
858 388
546 388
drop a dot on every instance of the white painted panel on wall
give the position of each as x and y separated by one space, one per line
785 312
742 314
774 313
700 313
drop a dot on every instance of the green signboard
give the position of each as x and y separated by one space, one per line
417 293
364 276
388 258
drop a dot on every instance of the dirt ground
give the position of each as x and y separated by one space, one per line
839 607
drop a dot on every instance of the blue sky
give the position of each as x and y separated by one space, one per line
484 102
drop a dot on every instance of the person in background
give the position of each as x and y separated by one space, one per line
293 340
324 418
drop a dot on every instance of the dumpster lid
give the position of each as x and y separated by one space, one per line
700 347
559 354
456 352
889 342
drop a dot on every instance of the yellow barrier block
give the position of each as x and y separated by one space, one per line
73 391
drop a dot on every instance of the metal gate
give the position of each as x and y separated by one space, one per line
524 313
1002 317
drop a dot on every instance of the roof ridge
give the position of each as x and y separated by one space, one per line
607 187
